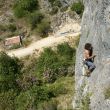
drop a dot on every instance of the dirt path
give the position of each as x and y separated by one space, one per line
62 35
39 45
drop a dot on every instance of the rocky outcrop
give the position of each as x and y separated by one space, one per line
96 30
61 17
46 5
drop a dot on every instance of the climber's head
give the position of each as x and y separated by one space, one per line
89 47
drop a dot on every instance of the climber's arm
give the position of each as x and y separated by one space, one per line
90 57
87 56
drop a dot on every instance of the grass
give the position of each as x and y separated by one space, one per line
26 42
85 102
77 41
15 47
78 8
60 92
107 93
53 64
63 101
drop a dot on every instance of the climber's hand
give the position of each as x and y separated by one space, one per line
94 56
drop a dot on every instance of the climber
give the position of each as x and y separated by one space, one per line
89 58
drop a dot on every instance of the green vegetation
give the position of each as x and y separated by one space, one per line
55 3
54 64
2 28
77 41
29 10
26 42
8 30
9 27
40 83
15 46
7 100
23 7
68 53
107 93
43 28
78 8
9 70
54 10
50 105
63 9
85 102
35 18
12 27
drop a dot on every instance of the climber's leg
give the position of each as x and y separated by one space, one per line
84 69
90 65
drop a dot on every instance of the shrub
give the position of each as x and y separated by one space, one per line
50 105
19 12
63 9
48 59
7 100
9 34
49 75
41 93
107 93
24 101
1 39
51 1
35 18
66 51
8 65
54 10
77 41
15 47
85 102
3 28
9 69
58 89
43 28
26 42
22 7
12 27
55 3
78 8
53 64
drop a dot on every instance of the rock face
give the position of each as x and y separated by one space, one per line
95 30
62 18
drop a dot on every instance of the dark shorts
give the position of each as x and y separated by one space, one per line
90 65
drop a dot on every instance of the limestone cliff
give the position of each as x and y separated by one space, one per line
96 30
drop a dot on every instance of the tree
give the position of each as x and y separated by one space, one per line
78 8
35 18
9 69
43 28
22 7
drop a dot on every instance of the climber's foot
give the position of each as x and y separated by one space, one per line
88 72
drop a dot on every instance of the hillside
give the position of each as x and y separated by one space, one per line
35 19
40 74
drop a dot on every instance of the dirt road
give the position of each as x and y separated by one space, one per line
39 45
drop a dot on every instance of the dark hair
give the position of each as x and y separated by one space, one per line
89 47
